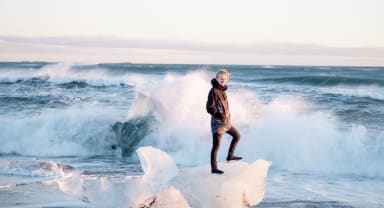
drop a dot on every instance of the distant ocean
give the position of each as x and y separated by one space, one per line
321 127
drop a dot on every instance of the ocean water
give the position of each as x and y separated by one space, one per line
321 127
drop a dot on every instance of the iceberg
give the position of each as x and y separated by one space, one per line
242 184
163 185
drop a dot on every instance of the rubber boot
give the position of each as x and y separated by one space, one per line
233 158
214 168
231 151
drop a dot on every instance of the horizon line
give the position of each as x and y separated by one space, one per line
197 64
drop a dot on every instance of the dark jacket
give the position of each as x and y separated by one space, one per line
217 106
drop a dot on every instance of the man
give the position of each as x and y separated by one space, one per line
217 106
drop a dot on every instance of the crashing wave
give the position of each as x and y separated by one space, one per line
140 123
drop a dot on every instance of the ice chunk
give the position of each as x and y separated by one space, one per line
170 197
241 185
163 185
71 184
158 166
246 188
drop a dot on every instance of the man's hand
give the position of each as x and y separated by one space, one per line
218 115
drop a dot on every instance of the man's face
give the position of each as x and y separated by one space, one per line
222 79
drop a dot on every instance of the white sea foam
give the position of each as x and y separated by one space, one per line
60 73
78 130
34 168
287 130
372 91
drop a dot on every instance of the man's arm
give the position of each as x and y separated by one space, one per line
211 105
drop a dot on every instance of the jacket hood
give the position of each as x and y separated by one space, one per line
216 84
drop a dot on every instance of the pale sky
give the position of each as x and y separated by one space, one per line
303 32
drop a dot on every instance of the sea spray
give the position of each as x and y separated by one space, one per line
79 130
288 130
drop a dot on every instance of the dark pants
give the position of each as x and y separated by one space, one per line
216 145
